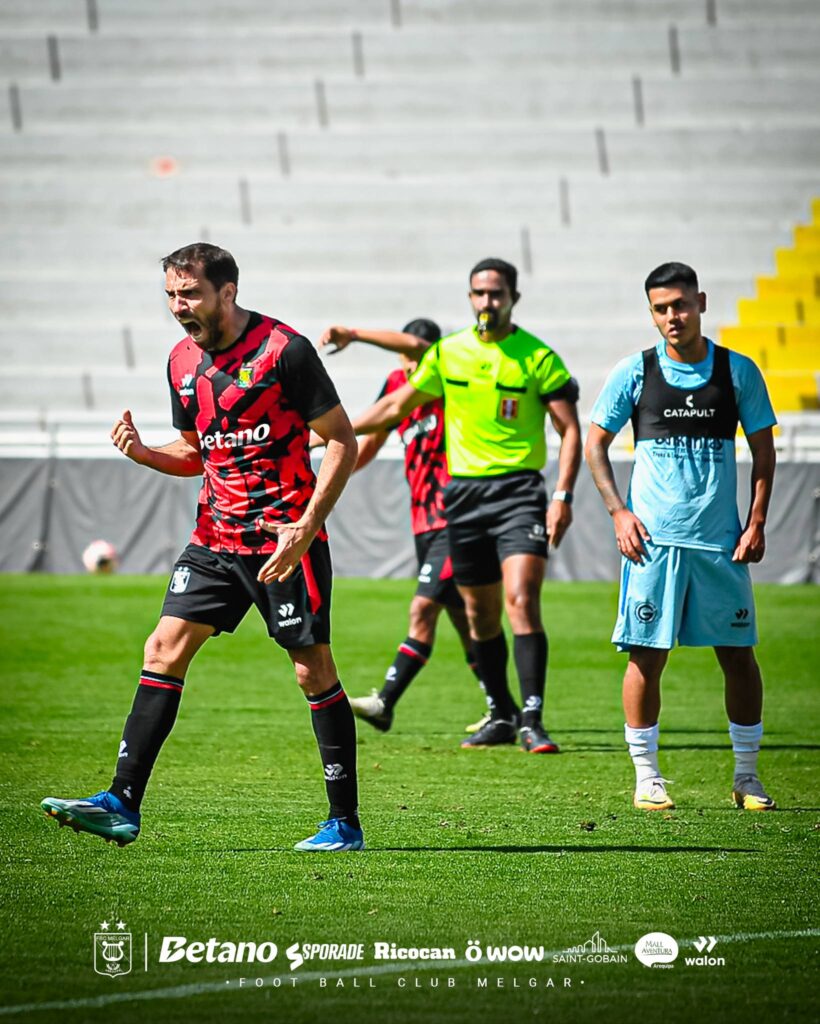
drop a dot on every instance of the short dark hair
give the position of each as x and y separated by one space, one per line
427 330
217 264
671 273
507 271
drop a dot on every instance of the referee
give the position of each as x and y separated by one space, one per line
498 382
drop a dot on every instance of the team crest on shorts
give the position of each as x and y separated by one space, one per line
179 581
508 409
646 612
245 378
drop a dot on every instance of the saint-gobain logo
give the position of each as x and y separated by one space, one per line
657 949
112 951
646 612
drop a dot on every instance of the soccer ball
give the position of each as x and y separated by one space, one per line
100 557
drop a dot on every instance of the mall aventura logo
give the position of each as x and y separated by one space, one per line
593 951
112 950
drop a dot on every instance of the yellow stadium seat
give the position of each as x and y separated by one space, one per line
751 341
815 211
796 358
801 286
807 238
808 335
790 262
760 312
811 312
792 391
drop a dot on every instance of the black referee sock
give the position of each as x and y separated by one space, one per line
152 717
335 731
491 660
411 658
530 652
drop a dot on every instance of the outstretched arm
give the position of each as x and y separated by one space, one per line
752 544
392 341
564 416
179 458
630 533
391 409
294 539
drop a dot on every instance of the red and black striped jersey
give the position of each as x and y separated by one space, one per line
425 459
250 404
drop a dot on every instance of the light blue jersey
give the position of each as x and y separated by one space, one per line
684 489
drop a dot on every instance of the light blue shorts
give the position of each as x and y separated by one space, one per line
697 598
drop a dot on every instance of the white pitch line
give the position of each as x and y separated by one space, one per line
197 989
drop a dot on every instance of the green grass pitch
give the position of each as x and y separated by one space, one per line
494 846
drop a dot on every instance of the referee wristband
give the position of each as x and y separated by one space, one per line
565 496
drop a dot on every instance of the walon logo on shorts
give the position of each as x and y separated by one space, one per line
741 619
289 619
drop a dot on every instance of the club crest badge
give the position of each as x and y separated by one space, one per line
112 950
179 581
245 378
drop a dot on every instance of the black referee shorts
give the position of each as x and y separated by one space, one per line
217 588
491 518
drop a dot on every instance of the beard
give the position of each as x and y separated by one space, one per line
207 333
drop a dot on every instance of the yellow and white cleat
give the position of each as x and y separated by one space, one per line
651 795
749 795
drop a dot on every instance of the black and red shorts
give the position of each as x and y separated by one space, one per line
217 588
435 578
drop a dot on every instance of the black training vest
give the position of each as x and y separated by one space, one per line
666 411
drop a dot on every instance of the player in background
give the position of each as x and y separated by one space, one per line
685 557
498 383
425 463
246 390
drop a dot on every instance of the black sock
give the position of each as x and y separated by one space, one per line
491 660
152 717
335 732
530 653
411 658
471 661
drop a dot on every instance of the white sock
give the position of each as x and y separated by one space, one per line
746 745
643 749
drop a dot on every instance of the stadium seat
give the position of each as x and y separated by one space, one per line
792 390
799 286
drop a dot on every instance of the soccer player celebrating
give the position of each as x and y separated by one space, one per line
685 574
246 390
425 465
498 383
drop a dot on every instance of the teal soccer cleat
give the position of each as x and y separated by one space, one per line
102 815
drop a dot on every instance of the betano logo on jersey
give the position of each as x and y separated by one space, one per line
235 438
689 411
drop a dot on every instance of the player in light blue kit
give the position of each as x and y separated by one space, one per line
684 573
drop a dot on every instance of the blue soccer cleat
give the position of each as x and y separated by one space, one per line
334 836
102 815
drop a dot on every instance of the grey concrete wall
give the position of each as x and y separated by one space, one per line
51 509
